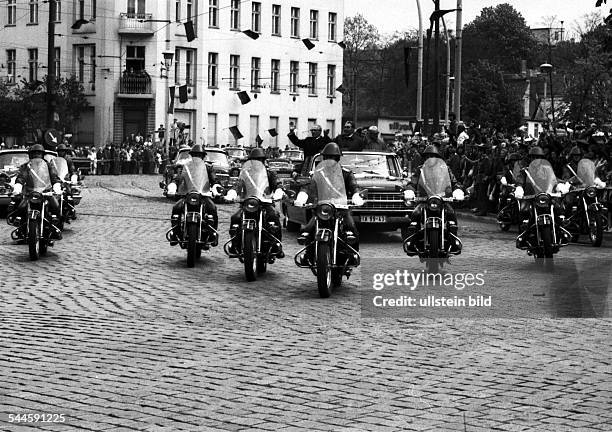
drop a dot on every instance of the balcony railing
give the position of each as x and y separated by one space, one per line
135 84
136 23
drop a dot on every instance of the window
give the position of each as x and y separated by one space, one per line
274 125
136 8
331 80
234 72
177 63
92 63
33 64
12 12
331 27
94 6
235 15
81 64
293 121
233 121
256 17
58 11
85 55
213 67
254 132
312 79
213 13
189 9
294 74
275 76
189 67
11 58
276 20
177 11
295 22
135 58
81 9
56 60
314 24
331 127
211 138
33 12
255 73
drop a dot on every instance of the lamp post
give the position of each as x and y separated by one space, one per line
547 68
168 56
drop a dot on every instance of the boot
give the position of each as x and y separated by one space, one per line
234 248
174 234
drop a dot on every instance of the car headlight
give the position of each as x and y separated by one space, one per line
325 211
542 200
251 205
434 203
591 192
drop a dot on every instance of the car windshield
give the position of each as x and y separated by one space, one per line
235 152
293 154
366 165
217 158
12 161
183 155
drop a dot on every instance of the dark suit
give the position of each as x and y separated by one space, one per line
311 147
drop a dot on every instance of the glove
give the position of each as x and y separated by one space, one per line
57 189
301 199
278 194
74 178
231 195
409 195
503 181
599 184
458 195
216 190
17 189
171 189
519 192
563 187
357 199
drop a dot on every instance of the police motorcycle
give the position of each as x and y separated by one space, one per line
259 246
39 225
197 227
542 232
433 238
508 206
587 214
71 191
334 255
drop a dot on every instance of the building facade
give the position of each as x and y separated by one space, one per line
129 53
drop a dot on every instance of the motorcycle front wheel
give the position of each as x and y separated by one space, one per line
547 244
324 272
249 248
596 230
33 239
192 244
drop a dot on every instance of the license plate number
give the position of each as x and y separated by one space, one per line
373 218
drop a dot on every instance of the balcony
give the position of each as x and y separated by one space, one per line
135 86
136 24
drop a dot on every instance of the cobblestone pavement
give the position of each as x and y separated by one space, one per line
112 330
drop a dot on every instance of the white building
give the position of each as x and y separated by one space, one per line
117 52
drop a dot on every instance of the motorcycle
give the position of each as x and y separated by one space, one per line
71 192
508 205
587 214
542 235
334 255
197 227
436 240
259 247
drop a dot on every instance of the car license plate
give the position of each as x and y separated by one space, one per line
373 219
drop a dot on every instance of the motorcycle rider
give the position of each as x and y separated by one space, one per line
24 184
62 151
457 192
332 151
570 169
197 164
272 215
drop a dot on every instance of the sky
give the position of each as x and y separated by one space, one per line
401 15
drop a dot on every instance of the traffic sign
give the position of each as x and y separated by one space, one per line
51 138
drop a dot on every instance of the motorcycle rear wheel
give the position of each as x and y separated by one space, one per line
250 256
192 244
33 239
324 272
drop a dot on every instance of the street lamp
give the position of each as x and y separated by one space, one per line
547 69
168 56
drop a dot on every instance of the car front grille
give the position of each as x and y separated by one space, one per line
384 200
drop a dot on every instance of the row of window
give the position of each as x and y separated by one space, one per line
256 12
84 8
84 66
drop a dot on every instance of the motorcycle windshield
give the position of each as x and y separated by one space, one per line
61 166
254 180
586 172
194 177
434 178
39 175
541 176
330 183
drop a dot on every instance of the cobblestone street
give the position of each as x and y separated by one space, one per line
112 330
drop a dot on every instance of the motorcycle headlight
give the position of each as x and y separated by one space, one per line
193 199
542 200
36 198
251 205
325 211
591 192
434 203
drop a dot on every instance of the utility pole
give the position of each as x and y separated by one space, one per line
458 37
51 65
167 89
355 97
419 101
436 97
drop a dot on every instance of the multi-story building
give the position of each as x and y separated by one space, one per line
119 51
